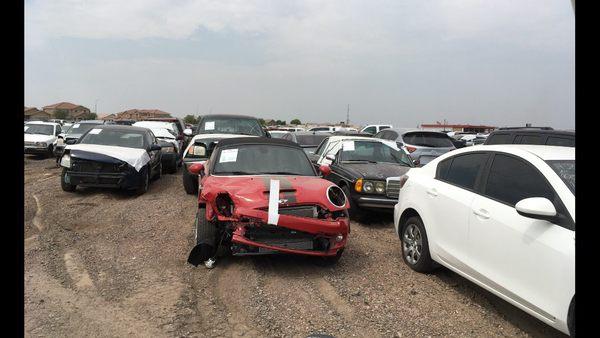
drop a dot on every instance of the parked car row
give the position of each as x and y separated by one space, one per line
501 215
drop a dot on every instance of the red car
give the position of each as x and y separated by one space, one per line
263 196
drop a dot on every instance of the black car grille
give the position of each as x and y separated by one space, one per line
300 211
393 188
96 167
284 237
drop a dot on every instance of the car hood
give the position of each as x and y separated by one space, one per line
375 171
39 138
253 191
135 157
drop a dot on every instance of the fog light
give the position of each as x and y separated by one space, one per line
339 238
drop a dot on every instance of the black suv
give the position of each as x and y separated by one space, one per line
541 135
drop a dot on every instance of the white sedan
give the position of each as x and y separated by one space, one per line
502 216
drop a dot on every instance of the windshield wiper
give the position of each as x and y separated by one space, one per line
368 161
235 173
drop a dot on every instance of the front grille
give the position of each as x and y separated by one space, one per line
94 167
393 187
28 143
287 238
300 211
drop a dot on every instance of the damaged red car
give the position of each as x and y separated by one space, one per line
263 196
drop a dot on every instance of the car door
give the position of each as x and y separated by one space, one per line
154 154
449 198
528 260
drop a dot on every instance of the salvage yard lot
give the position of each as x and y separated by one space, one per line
105 263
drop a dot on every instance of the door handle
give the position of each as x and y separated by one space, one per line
482 213
433 192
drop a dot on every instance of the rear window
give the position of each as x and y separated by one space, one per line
499 139
309 140
428 140
531 139
560 141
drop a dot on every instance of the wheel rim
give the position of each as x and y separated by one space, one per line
412 244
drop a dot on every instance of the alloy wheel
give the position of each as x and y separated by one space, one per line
412 243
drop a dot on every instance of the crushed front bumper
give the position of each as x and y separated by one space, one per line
292 234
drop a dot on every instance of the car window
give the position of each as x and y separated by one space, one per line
511 180
383 127
370 130
257 159
428 140
531 139
319 150
504 138
464 169
566 170
560 141
442 169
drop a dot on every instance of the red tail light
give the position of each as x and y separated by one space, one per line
411 149
403 180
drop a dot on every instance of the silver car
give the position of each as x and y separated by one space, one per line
422 145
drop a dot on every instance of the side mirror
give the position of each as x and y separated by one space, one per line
330 157
536 207
155 147
325 170
196 168
188 132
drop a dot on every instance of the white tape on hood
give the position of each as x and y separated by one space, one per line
274 202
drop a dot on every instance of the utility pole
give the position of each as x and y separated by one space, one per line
348 116
96 106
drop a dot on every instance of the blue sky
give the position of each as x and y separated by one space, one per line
403 62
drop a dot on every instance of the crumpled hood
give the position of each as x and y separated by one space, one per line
376 171
253 191
135 157
39 138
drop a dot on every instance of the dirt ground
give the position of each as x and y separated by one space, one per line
103 263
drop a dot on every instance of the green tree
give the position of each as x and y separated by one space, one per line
61 114
262 122
191 119
91 116
295 122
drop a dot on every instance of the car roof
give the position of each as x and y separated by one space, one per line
228 115
344 137
256 140
122 127
533 131
546 153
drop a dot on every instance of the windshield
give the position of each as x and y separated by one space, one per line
372 152
81 128
257 159
310 140
113 137
41 129
428 140
566 171
228 125
277 135
163 133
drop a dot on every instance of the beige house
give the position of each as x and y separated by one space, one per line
74 111
137 114
34 114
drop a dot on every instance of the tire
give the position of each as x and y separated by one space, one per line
205 238
330 260
173 167
571 318
64 185
190 182
143 188
415 247
50 151
354 210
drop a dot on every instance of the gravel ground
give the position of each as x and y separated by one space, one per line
103 263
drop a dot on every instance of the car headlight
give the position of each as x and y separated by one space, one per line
65 161
197 150
368 187
41 144
168 149
379 187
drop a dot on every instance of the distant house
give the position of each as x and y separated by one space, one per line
34 114
74 111
137 114
107 117
469 128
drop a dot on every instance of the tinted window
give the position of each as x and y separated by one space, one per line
560 141
531 139
499 139
114 137
442 169
309 140
464 169
566 170
511 180
319 129
428 140
230 125
383 127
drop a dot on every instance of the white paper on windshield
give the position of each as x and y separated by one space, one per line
391 144
95 131
348 145
135 157
76 125
273 202
210 125
228 155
